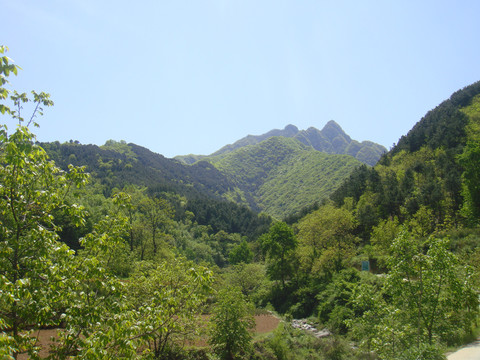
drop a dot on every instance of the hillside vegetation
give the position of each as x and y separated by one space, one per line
282 175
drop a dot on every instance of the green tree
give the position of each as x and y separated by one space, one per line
252 280
432 291
33 263
165 301
231 325
31 258
6 68
470 159
157 213
90 295
279 245
326 242
241 253
382 237
42 282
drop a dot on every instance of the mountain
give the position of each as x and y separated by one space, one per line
280 175
331 139
277 176
118 164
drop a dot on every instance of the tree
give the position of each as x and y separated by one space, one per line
325 237
279 245
42 282
164 302
6 67
469 159
33 263
432 291
252 281
231 324
382 237
241 253
157 212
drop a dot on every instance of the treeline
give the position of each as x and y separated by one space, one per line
121 164
426 171
443 126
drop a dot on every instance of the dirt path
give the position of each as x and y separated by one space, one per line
469 352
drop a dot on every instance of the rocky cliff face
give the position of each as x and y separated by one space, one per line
333 140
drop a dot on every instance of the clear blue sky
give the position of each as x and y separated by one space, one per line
182 77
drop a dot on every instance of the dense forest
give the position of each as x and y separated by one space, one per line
279 175
123 253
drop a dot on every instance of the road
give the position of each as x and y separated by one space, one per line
469 352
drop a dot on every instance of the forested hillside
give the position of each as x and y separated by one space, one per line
282 175
117 252
426 174
117 165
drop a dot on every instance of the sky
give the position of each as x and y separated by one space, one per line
188 77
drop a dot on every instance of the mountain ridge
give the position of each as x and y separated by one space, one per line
331 140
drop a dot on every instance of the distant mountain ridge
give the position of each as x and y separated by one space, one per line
331 140
278 176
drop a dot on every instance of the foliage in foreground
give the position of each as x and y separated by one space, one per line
231 325
45 284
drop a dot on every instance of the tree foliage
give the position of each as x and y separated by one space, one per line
231 325
436 295
241 254
164 303
44 283
279 245
325 238
427 300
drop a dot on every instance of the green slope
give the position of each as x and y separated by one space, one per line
281 175
118 164
305 178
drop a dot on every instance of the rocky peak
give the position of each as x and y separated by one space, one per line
332 130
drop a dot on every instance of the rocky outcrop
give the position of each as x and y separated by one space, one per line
305 326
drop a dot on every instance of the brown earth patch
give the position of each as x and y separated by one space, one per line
263 324
44 341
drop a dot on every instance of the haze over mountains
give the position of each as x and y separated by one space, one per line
331 140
